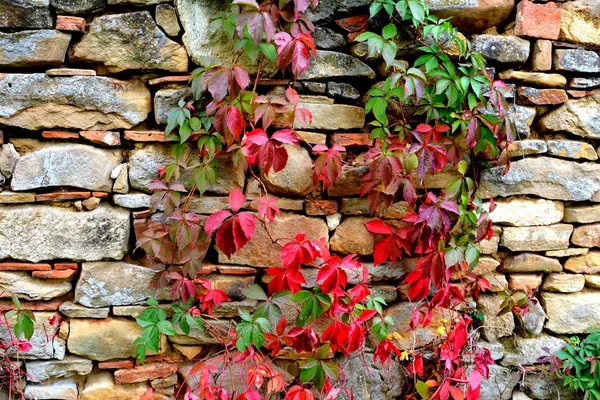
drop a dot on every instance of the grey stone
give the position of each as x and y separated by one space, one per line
542 387
546 177
166 99
494 326
58 390
584 83
166 18
401 314
138 2
24 286
539 238
33 48
342 90
572 149
522 118
527 350
367 379
78 6
198 336
72 310
502 49
571 312
576 60
329 64
38 232
45 345
72 164
132 200
296 179
145 161
97 286
564 283
37 101
328 39
8 159
532 323
25 14
327 8
579 117
128 42
496 349
39 371
500 384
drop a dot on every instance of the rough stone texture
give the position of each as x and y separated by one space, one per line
577 116
587 235
564 283
165 99
328 39
534 78
527 351
574 251
332 117
500 384
582 214
540 97
538 20
8 160
36 101
33 48
572 149
72 164
25 14
58 390
554 237
473 16
494 327
546 177
541 58
166 18
35 233
129 41
571 312
145 161
373 382
584 83
42 348
532 323
401 314
100 385
261 252
527 212
39 371
97 287
576 60
541 387
296 179
502 49
132 200
78 6
72 310
328 64
23 286
592 281
580 22
351 236
525 282
522 118
585 264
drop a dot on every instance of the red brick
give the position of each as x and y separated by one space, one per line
582 93
66 266
72 24
538 20
60 135
48 305
236 270
100 195
357 23
321 207
145 136
115 364
162 359
106 138
352 139
540 97
15 266
169 79
56 274
62 196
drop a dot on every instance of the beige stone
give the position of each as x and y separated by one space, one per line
332 117
352 236
526 212
580 22
592 281
541 59
524 282
574 251
494 326
582 214
564 283
24 286
586 264
491 246
553 237
534 78
529 262
570 313
296 179
100 385
576 116
587 235
16 198
572 149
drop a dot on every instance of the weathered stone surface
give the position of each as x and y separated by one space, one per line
121 178
260 251
472 16
43 348
25 14
572 312
352 236
78 6
39 371
144 373
534 78
366 379
553 237
584 83
401 314
342 90
502 49
573 251
527 212
524 282
37 101
145 161
587 235
572 149
58 390
542 387
23 286
101 385
532 323
296 179
97 286
564 283
494 327
491 246
577 116
349 182
592 281
8 160
132 200
72 310
576 60
35 233
522 118
328 39
496 349
585 264
332 117
72 164
541 57
582 214
580 22
33 48
105 339
527 351
166 18
546 177
500 384
328 64
540 97
165 99
129 41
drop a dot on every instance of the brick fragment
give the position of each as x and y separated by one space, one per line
357 23
540 97
60 135
66 266
16 266
352 139
141 214
55 274
236 270
100 195
106 138
49 305
321 207
115 364
62 196
145 136
538 20
71 24
169 79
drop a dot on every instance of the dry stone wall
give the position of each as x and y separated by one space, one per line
85 90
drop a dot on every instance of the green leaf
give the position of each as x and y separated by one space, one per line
301 296
389 31
166 328
255 292
472 256
268 50
140 353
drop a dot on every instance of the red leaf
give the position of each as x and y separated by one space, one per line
235 121
379 227
215 221
147 394
331 277
236 200
267 208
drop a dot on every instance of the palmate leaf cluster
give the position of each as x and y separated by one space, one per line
580 365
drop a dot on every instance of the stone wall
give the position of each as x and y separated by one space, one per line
86 87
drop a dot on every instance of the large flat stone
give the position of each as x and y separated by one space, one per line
37 101
296 178
511 50
101 385
579 117
39 371
546 177
78 6
576 60
65 389
530 262
352 237
580 22
539 238
25 14
329 64
472 16
572 312
97 286
332 117
76 165
24 286
526 351
129 41
527 212
33 48
35 233
585 264
45 345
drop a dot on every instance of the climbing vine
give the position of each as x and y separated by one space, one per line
439 111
